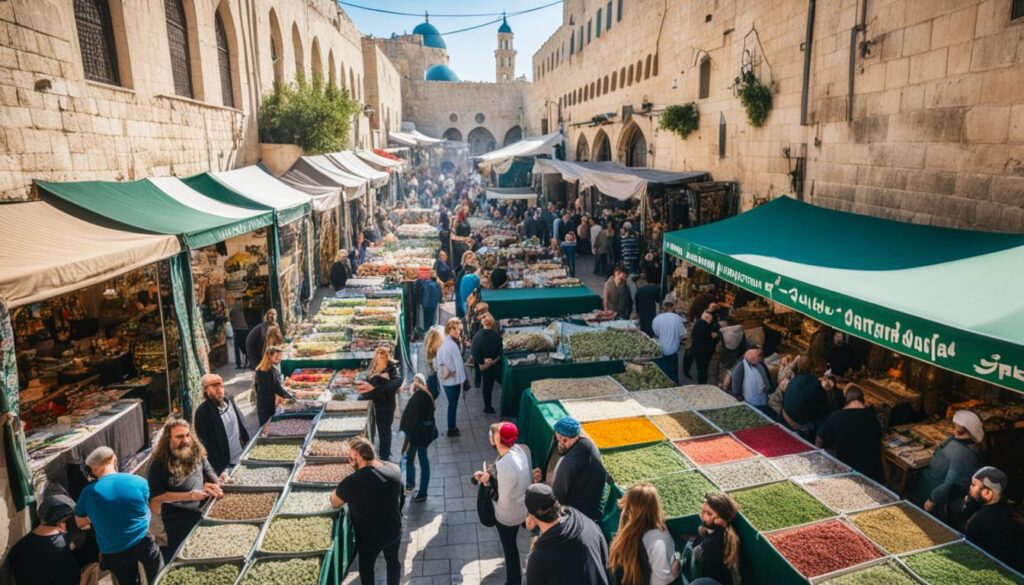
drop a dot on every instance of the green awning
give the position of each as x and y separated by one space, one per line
161 205
253 188
949 297
506 303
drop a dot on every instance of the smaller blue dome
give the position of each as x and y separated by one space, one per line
505 28
440 73
431 36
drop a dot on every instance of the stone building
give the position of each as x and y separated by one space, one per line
904 109
119 89
383 93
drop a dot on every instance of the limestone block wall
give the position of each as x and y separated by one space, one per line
468 109
383 93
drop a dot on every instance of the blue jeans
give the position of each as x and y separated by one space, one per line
429 318
452 392
410 470
433 385
570 258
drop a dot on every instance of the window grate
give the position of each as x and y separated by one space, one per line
227 94
96 41
177 39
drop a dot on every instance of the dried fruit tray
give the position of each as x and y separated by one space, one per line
960 563
772 441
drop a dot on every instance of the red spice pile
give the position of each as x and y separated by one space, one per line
823 548
712 450
772 441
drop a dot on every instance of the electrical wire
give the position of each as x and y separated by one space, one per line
383 11
502 15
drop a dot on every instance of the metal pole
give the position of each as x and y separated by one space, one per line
163 333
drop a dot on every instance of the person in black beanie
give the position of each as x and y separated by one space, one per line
570 548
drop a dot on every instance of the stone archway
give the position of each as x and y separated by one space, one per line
582 149
480 141
453 134
633 146
514 134
602 147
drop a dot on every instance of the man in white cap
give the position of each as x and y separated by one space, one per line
990 523
116 505
947 478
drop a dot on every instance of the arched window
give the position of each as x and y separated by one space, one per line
615 80
276 48
633 147
300 62
96 41
630 75
316 61
622 77
582 149
647 68
453 134
605 89
227 94
602 147
352 83
514 134
705 78
177 39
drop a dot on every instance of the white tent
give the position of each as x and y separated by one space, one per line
620 186
501 160
412 139
423 138
262 187
321 166
511 194
380 161
351 163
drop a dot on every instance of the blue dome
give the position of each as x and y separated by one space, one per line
431 36
505 28
440 73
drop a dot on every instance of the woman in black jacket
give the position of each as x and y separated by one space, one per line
420 430
340 270
716 551
268 384
381 387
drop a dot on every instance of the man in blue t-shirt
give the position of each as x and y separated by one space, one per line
116 505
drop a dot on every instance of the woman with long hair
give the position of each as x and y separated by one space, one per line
716 552
451 369
420 430
642 553
432 343
381 386
274 338
340 270
268 384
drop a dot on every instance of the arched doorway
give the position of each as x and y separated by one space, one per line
602 147
582 149
480 141
453 134
514 134
633 147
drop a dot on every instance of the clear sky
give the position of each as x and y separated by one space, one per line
471 52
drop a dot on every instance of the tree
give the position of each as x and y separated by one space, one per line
312 114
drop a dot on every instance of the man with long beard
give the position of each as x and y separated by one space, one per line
180 481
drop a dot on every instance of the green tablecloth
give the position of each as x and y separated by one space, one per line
506 303
289 366
537 426
516 379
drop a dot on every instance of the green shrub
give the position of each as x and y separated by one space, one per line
682 120
312 114
756 98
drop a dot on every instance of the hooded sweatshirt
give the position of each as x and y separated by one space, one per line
572 551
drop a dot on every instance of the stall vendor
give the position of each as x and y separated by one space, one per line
948 477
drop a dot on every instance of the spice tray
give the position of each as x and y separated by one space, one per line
832 513
891 496
953 535
326 565
1011 574
247 454
829 577
751 453
295 483
180 564
335 535
326 418
260 524
279 508
785 432
709 469
820 453
882 555
233 489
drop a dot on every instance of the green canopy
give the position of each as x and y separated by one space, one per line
949 297
162 205
253 188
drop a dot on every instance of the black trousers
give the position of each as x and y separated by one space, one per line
488 378
124 565
178 522
368 557
509 546
385 416
702 361
241 359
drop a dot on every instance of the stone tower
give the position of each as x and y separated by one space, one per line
505 55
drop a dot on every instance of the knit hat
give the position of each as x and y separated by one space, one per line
420 379
55 507
539 497
508 434
971 422
567 426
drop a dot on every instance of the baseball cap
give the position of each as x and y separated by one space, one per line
567 426
508 434
539 498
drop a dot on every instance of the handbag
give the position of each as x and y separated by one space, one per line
485 497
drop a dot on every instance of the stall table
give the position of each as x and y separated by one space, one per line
537 426
516 379
507 303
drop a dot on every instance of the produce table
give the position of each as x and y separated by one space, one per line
516 379
289 366
540 302
537 426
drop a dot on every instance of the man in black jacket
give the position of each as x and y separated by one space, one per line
220 425
579 476
257 336
570 548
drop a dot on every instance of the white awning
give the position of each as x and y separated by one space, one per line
262 187
412 139
424 139
45 252
620 186
320 170
351 163
511 194
500 160
381 161
182 193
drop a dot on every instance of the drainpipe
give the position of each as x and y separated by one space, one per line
858 28
808 43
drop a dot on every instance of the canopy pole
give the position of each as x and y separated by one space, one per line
163 334
664 269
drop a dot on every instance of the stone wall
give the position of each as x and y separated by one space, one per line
438 106
937 112
383 93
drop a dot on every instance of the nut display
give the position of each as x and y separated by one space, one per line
277 451
809 463
201 575
298 534
590 409
613 345
243 506
772 441
341 424
307 502
735 418
846 493
622 431
713 450
323 472
327 448
219 541
682 425
902 528
741 474
567 389
291 571
957 564
660 401
779 505
288 427
632 464
526 341
646 377
889 573
260 476
705 396
682 494
823 548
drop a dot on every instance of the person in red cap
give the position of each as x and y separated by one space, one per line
511 472
429 293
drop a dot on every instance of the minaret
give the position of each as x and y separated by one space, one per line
505 55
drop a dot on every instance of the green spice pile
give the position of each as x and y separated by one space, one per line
735 418
682 425
296 535
277 451
220 541
307 502
957 564
613 345
660 401
341 424
683 494
887 573
846 493
630 465
779 505
741 474
649 377
243 506
292 571
568 389
810 463
902 528
201 575
261 476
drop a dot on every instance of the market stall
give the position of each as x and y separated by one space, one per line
500 163
312 173
540 302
